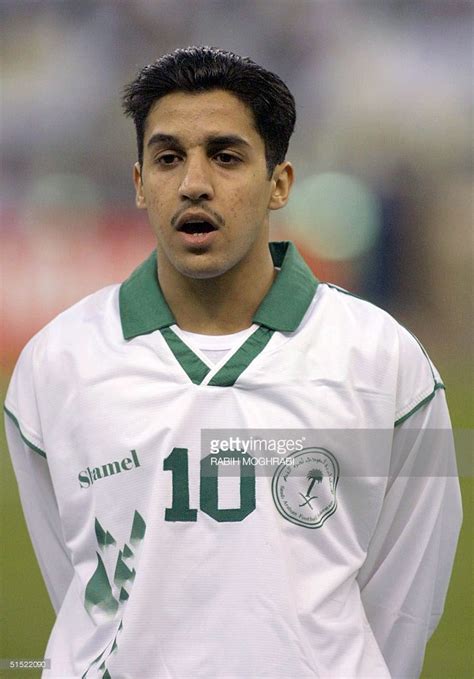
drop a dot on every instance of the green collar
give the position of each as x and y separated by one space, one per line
143 308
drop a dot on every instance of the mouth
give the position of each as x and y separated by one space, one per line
196 222
197 230
197 227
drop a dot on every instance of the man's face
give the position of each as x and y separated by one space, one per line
204 183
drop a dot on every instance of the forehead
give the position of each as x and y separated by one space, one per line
190 115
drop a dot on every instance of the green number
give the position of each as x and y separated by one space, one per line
209 488
177 462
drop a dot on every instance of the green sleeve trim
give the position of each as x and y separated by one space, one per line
437 385
425 355
23 437
427 399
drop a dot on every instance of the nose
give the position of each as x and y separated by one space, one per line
197 183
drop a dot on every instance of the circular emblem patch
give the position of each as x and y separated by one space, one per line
304 487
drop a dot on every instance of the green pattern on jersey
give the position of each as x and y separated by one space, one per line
99 594
127 552
122 572
138 529
104 538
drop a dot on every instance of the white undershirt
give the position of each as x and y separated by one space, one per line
214 347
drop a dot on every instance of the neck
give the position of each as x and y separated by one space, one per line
220 305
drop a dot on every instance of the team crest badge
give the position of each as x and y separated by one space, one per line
304 487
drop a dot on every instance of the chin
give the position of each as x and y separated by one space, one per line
200 269
201 274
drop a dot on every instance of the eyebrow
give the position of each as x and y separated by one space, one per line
212 141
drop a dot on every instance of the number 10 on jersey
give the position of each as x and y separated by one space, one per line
177 464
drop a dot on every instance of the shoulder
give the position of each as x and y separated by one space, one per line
71 332
92 314
353 324
96 311
378 344
353 311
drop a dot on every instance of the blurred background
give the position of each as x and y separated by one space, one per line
383 203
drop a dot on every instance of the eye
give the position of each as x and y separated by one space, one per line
226 158
168 159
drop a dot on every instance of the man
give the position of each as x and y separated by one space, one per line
332 562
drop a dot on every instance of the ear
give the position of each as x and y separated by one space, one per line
282 181
140 201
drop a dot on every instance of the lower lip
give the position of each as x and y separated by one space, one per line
197 240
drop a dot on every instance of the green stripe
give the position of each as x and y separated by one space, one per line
425 354
24 439
192 365
347 292
427 399
242 358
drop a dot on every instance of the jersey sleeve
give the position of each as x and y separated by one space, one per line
30 464
405 577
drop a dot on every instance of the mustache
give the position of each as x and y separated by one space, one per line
215 216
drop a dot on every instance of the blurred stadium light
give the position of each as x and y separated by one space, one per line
335 215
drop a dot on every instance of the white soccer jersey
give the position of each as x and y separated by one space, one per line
172 549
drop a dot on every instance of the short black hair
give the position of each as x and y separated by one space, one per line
201 69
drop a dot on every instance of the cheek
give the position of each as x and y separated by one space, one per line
158 204
256 198
254 194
